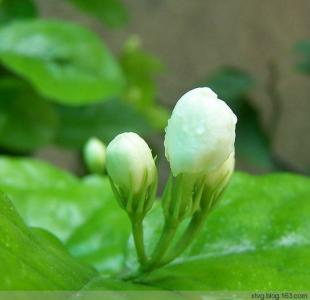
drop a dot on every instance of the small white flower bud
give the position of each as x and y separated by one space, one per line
200 134
95 155
130 163
216 182
220 177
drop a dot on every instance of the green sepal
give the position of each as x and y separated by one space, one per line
118 195
136 204
181 196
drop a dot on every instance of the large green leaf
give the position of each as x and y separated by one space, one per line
258 238
83 214
111 12
63 61
28 121
103 120
31 262
11 10
33 259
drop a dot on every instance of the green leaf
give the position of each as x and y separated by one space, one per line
30 263
303 49
33 259
63 61
258 238
111 12
28 121
11 10
104 120
83 214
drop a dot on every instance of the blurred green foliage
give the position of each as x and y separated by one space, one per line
141 70
29 121
60 84
11 10
110 12
302 48
63 61
103 120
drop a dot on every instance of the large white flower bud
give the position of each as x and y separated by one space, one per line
200 134
130 163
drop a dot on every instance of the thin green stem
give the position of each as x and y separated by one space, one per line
137 231
162 246
191 232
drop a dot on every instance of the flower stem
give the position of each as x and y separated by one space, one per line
191 232
162 246
137 230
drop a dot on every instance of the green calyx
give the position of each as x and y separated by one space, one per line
136 204
182 196
186 196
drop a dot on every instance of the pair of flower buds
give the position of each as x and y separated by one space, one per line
199 145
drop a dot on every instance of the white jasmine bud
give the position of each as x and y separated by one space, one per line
95 155
220 177
129 161
215 183
200 134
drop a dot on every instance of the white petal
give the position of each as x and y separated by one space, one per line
200 134
129 158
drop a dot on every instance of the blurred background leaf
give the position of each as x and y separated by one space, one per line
64 61
303 49
110 12
11 10
29 122
45 61
252 144
141 70
103 120
232 85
